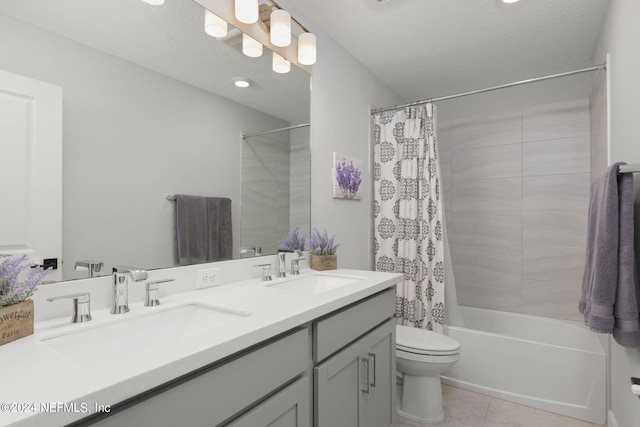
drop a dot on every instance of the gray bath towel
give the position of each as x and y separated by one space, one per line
191 229
220 239
609 299
203 229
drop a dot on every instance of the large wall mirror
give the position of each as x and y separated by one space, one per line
150 111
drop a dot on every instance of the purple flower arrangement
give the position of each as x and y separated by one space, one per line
321 244
349 178
292 241
18 281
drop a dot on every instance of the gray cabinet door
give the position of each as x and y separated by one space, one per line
337 387
377 401
290 407
356 387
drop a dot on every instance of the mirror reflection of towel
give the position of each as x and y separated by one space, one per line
203 229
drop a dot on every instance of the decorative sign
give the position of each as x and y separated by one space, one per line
16 321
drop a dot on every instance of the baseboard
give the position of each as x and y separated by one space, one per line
611 419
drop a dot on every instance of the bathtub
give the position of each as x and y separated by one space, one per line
554 365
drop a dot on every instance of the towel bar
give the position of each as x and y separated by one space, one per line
629 168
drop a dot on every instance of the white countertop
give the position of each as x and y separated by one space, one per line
37 381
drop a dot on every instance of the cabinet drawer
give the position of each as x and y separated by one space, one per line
211 397
290 407
338 330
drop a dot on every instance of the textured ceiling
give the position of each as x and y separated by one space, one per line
430 48
170 39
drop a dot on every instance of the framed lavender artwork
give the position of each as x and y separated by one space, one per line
347 177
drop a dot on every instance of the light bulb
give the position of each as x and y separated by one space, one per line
280 65
213 25
250 46
307 49
241 82
246 11
280 28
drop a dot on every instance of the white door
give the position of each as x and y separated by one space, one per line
31 168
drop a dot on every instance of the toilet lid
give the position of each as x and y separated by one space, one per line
421 341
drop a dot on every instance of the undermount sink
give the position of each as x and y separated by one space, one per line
132 333
317 283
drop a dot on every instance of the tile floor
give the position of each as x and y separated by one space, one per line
465 408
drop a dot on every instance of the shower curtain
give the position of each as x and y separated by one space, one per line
408 212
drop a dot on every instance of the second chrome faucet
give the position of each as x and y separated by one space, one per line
121 277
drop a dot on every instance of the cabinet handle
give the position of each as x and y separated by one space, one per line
365 362
373 366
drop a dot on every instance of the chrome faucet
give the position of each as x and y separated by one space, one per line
257 251
81 306
94 267
282 262
121 277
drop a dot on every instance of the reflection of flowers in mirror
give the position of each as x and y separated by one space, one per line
18 279
349 178
292 241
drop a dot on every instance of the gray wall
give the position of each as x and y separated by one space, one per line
118 119
516 187
342 91
619 37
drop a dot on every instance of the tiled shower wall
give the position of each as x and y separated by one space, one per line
516 189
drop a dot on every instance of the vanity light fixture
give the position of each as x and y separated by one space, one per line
280 32
307 49
250 46
154 2
214 25
242 82
247 11
280 64
273 19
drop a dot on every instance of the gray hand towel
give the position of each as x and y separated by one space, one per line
191 229
203 229
220 239
627 326
609 299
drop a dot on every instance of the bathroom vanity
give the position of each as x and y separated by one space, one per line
314 350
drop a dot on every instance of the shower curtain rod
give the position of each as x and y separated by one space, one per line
489 89
251 135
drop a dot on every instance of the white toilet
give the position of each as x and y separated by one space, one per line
421 356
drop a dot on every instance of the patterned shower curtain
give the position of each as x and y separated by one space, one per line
408 212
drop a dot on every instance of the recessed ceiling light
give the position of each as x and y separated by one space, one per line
510 1
154 2
241 82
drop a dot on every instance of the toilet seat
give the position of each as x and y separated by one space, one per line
420 341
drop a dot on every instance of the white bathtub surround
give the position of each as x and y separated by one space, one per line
408 212
554 365
516 185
